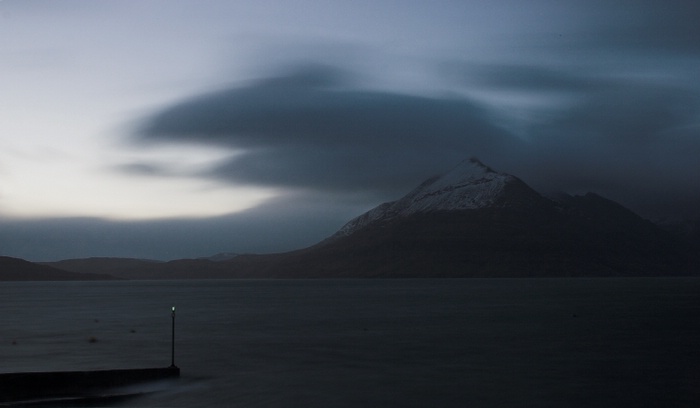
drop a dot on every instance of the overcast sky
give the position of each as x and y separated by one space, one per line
167 129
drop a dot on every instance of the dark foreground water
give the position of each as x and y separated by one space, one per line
372 343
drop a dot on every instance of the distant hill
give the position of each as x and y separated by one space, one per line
469 222
125 268
15 269
222 256
129 268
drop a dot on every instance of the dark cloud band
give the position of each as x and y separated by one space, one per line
310 130
307 130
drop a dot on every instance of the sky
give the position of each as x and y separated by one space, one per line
168 129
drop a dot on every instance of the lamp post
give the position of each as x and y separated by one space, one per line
172 344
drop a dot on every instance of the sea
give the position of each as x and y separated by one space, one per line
608 342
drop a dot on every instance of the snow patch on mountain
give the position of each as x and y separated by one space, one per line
469 185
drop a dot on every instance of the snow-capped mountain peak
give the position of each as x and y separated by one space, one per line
469 185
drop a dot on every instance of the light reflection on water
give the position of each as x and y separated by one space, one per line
367 343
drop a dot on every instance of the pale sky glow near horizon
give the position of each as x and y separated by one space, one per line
169 129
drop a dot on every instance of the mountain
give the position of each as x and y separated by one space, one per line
470 185
470 222
15 269
476 222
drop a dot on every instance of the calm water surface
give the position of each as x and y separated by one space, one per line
371 343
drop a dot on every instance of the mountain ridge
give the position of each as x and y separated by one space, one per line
469 222
16 269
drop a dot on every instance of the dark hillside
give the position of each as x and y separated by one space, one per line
15 269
